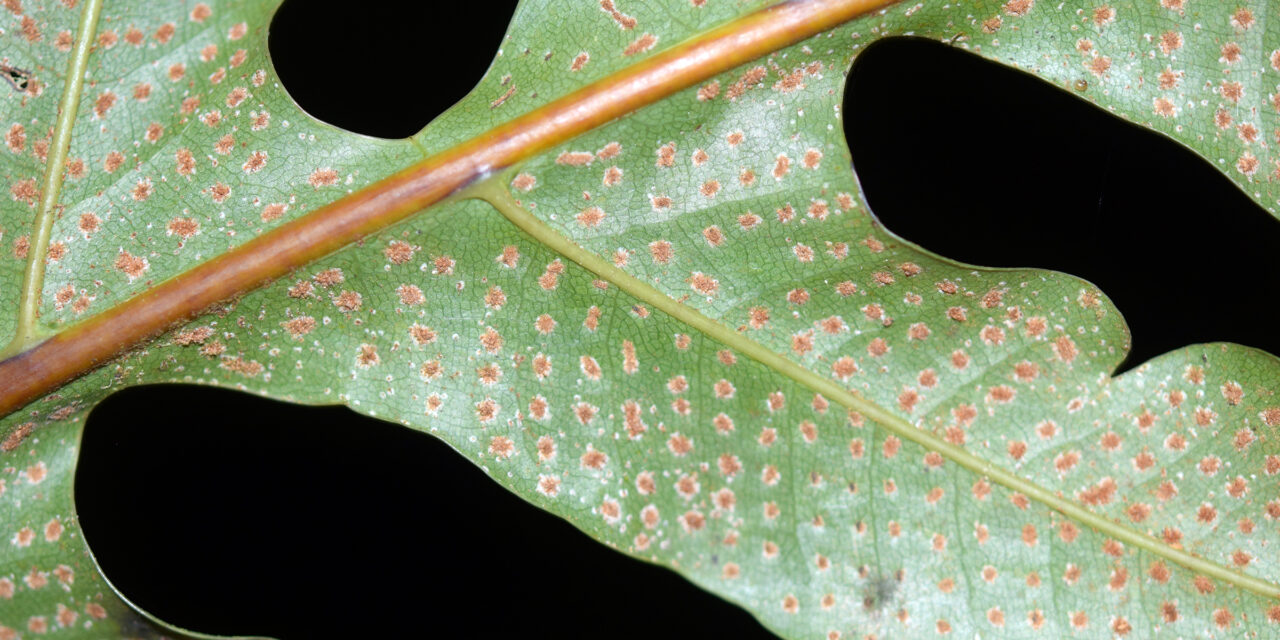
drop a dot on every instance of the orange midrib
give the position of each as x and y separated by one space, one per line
90 343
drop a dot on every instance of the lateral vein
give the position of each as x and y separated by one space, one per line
496 194
27 331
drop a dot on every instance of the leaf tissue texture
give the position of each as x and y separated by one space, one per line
682 332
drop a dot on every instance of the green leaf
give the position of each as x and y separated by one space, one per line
683 331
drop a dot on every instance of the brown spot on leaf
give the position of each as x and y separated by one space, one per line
103 103
1170 41
132 266
640 45
183 227
323 177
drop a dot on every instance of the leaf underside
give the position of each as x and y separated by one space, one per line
734 199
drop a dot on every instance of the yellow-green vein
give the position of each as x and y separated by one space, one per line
496 194
27 331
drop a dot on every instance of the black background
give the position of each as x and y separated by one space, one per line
226 513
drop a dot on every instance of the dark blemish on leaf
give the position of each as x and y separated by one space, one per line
879 590
18 79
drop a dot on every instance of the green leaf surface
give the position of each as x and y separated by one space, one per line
683 332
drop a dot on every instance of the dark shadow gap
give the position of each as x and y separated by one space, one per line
381 68
988 165
226 513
